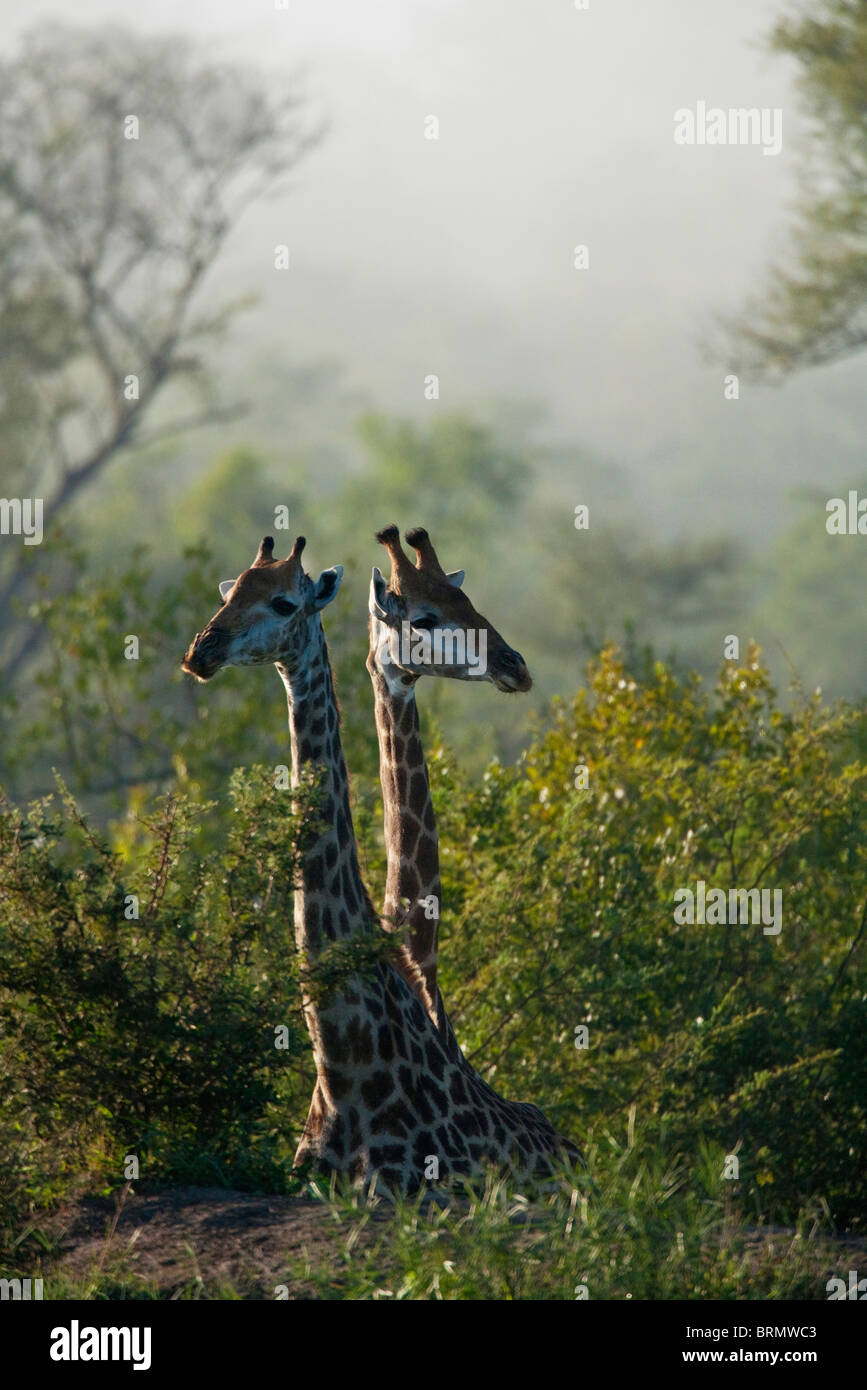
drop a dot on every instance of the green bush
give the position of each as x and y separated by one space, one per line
560 913
153 1036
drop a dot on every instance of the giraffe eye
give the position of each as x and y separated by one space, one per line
426 622
283 606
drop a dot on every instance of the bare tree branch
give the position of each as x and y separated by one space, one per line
105 242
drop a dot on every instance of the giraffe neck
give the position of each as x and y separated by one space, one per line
412 847
331 902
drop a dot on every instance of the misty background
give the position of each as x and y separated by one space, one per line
454 256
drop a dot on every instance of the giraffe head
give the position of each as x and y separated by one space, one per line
269 613
423 623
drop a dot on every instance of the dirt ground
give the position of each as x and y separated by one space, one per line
173 1239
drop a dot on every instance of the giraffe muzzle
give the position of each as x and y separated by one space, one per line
206 654
509 673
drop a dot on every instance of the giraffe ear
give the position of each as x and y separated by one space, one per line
225 586
381 603
456 578
326 587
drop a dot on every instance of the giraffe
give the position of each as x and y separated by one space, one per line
390 1106
426 598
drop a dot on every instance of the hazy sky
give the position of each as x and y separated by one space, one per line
454 256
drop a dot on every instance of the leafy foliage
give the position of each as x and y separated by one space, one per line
155 1036
814 310
563 915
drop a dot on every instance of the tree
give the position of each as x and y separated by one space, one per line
124 164
816 310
